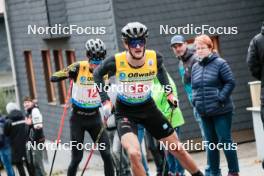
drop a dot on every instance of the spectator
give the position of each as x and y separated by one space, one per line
36 134
187 58
18 137
255 60
5 151
212 86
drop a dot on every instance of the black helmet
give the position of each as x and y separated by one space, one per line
95 48
134 30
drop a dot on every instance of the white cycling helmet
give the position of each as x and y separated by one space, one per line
134 30
95 48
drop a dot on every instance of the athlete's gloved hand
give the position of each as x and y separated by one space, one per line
198 173
173 101
107 109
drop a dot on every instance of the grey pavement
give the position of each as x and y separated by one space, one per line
249 164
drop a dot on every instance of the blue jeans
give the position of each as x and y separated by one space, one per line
140 139
218 131
174 164
199 121
5 155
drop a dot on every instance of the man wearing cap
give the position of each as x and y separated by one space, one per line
187 59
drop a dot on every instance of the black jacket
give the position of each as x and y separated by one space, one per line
212 85
17 135
186 62
255 56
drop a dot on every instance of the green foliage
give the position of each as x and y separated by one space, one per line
6 96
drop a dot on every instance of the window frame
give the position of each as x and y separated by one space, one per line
30 74
47 69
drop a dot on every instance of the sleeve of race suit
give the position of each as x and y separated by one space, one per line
162 75
69 72
108 66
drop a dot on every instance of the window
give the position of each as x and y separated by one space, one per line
56 15
58 60
47 74
30 74
70 56
214 40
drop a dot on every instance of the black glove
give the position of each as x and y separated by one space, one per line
38 135
199 173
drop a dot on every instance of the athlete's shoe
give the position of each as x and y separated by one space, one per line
233 174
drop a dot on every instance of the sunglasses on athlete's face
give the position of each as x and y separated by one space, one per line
133 43
95 61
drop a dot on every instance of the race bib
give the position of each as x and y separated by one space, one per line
85 96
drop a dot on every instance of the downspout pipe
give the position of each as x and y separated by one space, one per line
11 54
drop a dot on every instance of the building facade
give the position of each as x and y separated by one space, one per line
38 55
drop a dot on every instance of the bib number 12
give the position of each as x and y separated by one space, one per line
92 93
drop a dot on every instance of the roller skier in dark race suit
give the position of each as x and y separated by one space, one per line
85 105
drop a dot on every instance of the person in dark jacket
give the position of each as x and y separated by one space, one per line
187 58
15 128
255 60
212 86
5 149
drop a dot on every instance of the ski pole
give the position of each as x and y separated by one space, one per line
92 150
164 159
64 114
120 161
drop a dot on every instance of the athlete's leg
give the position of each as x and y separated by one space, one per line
175 147
130 143
77 136
161 129
128 130
123 165
104 144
